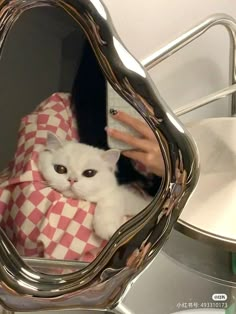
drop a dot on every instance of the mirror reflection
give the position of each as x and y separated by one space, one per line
83 161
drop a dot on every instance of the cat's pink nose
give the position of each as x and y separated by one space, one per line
72 181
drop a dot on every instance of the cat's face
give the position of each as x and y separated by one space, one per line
78 170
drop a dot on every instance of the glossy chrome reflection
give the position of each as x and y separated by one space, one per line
127 59
100 8
103 283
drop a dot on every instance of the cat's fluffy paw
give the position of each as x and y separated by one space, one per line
106 229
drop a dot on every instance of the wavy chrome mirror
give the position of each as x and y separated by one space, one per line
59 225
103 283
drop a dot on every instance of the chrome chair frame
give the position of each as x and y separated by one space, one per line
168 50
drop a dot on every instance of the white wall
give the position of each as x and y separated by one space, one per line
195 71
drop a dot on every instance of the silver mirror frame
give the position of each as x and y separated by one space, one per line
103 283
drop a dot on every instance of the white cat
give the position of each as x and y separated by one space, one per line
84 172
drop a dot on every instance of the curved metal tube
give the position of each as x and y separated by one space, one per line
205 100
103 283
217 19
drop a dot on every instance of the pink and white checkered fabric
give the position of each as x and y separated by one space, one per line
39 220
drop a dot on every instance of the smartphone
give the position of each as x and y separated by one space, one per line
114 101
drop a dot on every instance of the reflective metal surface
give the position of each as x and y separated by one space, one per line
103 283
217 19
206 260
205 100
190 285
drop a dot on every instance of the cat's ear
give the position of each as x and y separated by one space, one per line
53 142
111 156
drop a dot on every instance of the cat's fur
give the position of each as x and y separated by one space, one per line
114 202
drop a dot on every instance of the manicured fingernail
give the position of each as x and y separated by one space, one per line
113 111
108 130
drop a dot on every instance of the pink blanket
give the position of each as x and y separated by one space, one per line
39 220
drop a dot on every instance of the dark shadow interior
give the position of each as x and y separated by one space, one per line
41 56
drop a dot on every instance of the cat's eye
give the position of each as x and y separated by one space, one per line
89 173
60 169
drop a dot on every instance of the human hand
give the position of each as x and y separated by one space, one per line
146 148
